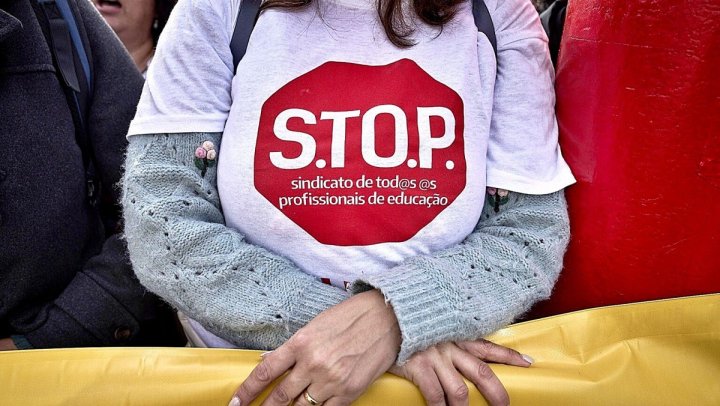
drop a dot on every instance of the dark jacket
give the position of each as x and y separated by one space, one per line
65 279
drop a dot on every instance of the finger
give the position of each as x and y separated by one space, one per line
270 368
311 397
398 371
491 352
336 401
482 376
290 388
421 373
456 391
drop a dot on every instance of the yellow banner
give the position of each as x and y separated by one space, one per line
656 353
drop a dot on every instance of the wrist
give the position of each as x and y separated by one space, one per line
384 310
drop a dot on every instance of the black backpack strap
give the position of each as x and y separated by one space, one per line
248 13
72 60
247 16
484 22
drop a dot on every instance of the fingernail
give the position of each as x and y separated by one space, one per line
528 358
265 353
235 401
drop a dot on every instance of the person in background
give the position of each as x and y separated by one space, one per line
65 278
138 24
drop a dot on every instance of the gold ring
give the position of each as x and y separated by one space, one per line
310 399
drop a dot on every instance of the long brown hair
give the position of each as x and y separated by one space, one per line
390 12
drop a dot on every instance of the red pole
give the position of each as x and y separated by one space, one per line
638 90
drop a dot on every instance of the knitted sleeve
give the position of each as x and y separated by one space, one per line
181 249
510 261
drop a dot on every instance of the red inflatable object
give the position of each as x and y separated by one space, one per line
638 97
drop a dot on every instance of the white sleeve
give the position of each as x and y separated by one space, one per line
189 80
523 151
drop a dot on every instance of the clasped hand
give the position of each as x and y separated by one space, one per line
438 371
334 359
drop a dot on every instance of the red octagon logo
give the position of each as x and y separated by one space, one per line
361 155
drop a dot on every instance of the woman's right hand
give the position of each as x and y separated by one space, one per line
332 360
438 371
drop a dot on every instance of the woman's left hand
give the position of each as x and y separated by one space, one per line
333 359
438 371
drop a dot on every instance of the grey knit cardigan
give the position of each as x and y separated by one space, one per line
182 250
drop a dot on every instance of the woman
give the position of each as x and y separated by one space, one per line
357 144
138 24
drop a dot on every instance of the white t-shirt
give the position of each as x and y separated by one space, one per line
345 153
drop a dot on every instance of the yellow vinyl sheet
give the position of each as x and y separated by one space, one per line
656 353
